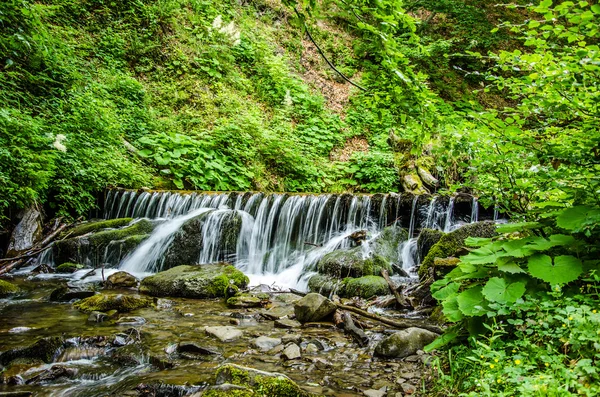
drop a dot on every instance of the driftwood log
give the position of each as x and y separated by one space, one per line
402 302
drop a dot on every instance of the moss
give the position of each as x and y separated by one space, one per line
450 243
200 281
69 267
387 242
325 285
89 227
350 263
446 262
99 239
106 302
263 383
7 288
427 239
244 301
366 287
228 393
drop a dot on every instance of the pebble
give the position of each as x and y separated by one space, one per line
291 352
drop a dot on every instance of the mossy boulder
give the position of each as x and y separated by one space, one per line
200 281
263 383
107 302
44 349
94 226
451 243
7 288
121 280
351 263
69 267
386 244
325 285
427 239
404 343
243 301
365 287
313 307
93 246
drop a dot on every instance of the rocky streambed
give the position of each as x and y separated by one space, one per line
119 342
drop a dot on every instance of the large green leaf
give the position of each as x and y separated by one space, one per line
499 290
508 265
558 270
486 254
517 227
450 289
451 310
471 302
448 337
575 219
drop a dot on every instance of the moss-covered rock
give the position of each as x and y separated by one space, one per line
313 307
263 383
242 301
44 349
450 243
365 287
427 239
387 242
203 281
119 302
121 280
94 226
404 343
350 263
325 285
79 249
69 267
7 288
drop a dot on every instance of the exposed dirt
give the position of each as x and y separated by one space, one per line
352 145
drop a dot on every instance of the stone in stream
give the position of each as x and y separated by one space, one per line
44 349
97 317
121 280
287 323
53 373
264 383
16 394
7 289
27 232
291 352
365 287
224 333
195 349
265 343
200 281
375 393
131 321
404 343
313 307
65 294
244 301
351 263
69 267
119 302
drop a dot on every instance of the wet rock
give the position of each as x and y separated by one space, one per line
387 242
451 243
358 237
326 285
195 349
268 383
311 348
65 294
243 301
275 313
121 280
97 317
19 330
224 333
131 321
404 343
95 226
43 269
52 374
291 338
68 267
16 394
351 263
265 343
27 232
202 281
287 323
427 239
44 349
15 380
313 307
119 302
407 388
366 287
375 393
291 352
7 289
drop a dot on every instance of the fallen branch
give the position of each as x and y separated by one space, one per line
40 247
11 266
356 333
402 302
405 322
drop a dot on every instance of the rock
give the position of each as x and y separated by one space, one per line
65 294
265 343
404 343
27 232
44 349
97 317
427 178
121 280
95 226
119 302
291 352
243 301
358 237
313 307
451 243
291 338
19 330
203 281
413 184
7 289
195 349
16 394
450 262
427 239
52 374
131 321
42 269
266 383
69 267
225 333
326 285
386 244
277 312
287 323
407 388
366 287
311 348
374 393
351 263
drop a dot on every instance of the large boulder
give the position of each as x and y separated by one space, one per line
386 244
96 226
313 307
119 302
325 285
200 281
27 232
7 288
365 287
121 280
264 383
427 239
352 263
451 244
44 349
404 343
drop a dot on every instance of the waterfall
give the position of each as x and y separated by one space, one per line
271 236
474 210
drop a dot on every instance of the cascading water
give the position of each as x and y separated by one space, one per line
274 238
